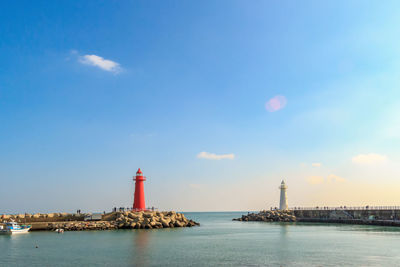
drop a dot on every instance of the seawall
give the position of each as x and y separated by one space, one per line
113 220
383 216
42 217
348 213
352 221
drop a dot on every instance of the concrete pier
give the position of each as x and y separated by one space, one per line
377 213
352 221
382 215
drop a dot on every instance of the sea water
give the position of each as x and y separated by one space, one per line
219 241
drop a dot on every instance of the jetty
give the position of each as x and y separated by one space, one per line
368 215
108 221
137 217
269 216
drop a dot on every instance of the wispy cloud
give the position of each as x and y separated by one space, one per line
97 61
276 103
371 158
316 164
212 156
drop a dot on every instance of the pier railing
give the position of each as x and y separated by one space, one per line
348 208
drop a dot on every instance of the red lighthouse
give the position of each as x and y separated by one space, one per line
138 202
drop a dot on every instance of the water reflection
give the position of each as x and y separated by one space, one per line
140 247
14 239
283 230
283 243
10 246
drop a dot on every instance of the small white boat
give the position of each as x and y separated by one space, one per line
14 228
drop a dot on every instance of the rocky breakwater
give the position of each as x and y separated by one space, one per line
128 220
269 216
80 226
151 220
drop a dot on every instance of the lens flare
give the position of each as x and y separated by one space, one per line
276 103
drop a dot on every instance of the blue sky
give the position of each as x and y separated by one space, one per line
92 90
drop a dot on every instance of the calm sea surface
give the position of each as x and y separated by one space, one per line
217 242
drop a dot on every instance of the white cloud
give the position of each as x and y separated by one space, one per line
104 64
316 164
212 156
370 158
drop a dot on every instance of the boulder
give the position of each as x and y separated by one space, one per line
178 224
164 223
133 215
148 215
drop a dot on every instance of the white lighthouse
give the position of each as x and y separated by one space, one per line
283 202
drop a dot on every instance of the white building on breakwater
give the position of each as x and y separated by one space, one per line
283 204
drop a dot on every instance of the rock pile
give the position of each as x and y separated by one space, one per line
80 226
150 220
269 216
119 220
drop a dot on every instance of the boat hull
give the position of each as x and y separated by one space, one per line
14 231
